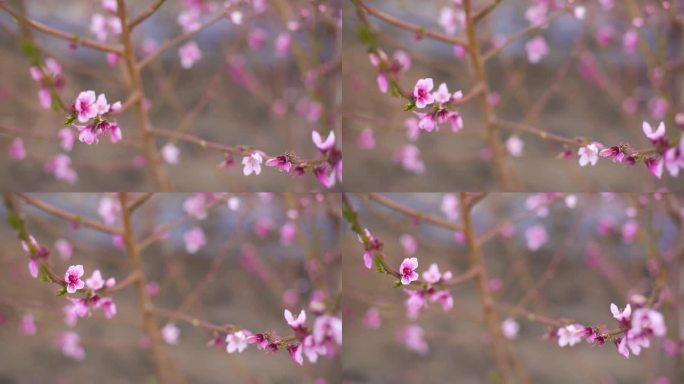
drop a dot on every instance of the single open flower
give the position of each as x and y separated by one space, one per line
72 278
295 323
407 270
237 342
421 92
652 135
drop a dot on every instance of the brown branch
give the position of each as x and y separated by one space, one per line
502 169
158 176
491 317
167 371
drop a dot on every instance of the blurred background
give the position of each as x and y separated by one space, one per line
588 262
219 284
209 100
580 89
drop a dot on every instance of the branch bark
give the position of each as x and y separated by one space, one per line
167 371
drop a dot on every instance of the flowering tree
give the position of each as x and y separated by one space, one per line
256 276
261 75
563 286
514 95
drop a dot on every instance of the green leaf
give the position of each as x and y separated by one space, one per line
408 107
397 284
349 214
379 266
15 222
366 36
62 292
44 274
70 119
393 89
30 51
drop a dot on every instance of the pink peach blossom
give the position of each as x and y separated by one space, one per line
510 328
189 54
570 335
366 140
295 323
170 153
536 49
72 278
17 150
252 164
70 344
64 248
27 325
372 318
323 146
95 280
170 333
589 155
237 342
408 243
67 139
412 337
196 206
652 135
194 240
536 237
407 270
421 92
442 95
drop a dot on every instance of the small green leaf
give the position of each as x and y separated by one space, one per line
379 266
366 36
44 274
30 51
15 222
409 107
62 292
393 89
348 214
70 119
397 284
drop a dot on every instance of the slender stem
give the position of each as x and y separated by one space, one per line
241 150
502 168
199 323
167 371
143 16
140 201
59 33
389 203
417 29
179 40
489 312
486 10
158 176
68 215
